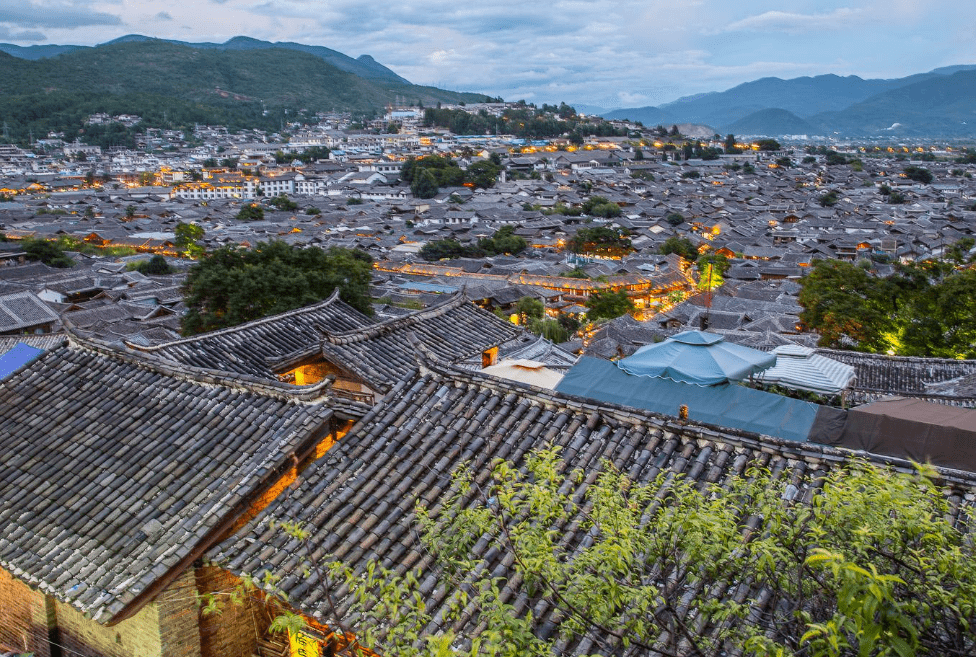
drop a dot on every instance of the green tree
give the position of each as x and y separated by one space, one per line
846 306
47 252
130 211
918 174
424 185
683 246
232 285
835 159
530 308
608 304
675 218
250 212
187 237
768 145
155 266
711 270
730 144
483 174
504 241
829 199
282 202
601 240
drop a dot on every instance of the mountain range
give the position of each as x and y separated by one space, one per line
940 103
242 83
365 66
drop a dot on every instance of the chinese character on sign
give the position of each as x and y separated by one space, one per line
303 645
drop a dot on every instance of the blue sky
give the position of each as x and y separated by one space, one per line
610 53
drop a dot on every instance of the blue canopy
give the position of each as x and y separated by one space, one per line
724 405
20 355
704 359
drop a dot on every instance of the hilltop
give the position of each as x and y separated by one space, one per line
243 82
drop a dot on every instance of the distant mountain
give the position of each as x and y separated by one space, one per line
770 123
171 84
34 53
943 105
811 102
649 116
364 67
593 110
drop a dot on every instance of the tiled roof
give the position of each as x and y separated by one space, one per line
115 466
22 310
900 374
358 501
381 354
253 347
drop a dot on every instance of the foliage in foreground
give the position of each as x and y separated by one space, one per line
867 564
233 285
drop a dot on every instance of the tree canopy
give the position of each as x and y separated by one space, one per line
683 246
250 212
608 305
504 241
187 236
49 253
233 285
918 174
601 240
923 309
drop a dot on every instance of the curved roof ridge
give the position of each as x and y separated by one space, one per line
864 355
306 394
239 327
456 300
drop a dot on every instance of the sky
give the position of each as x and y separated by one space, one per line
606 53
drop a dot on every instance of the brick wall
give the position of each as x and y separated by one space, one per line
136 636
167 627
232 632
23 617
179 625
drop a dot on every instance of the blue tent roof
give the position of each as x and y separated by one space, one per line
697 357
20 355
725 405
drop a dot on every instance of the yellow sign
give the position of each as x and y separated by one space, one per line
303 645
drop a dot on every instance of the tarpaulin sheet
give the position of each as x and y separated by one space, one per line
20 355
726 405
697 357
913 429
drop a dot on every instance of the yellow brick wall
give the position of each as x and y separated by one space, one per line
167 627
23 623
138 635
233 632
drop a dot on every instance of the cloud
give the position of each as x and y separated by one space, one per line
782 21
163 16
55 15
27 35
